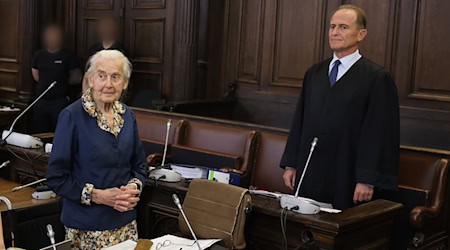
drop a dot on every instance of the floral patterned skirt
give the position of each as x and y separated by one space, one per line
89 240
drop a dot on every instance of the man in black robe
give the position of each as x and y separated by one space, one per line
351 105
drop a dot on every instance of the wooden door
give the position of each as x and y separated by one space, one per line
148 32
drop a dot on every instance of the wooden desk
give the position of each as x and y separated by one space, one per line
27 165
367 226
21 198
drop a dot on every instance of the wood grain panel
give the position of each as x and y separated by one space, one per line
90 32
380 25
297 40
147 80
9 80
9 28
431 79
250 41
149 4
147 40
98 4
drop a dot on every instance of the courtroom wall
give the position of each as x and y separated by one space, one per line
197 49
271 43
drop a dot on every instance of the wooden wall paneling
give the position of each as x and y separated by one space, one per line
382 27
249 53
11 13
201 87
217 30
298 40
430 80
18 23
185 50
66 16
148 32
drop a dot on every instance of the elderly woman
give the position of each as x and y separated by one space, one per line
97 163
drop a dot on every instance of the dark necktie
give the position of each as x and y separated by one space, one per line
334 73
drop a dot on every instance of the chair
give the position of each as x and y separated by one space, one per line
216 211
152 131
267 174
422 189
236 144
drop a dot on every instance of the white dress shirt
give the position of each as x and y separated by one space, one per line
346 63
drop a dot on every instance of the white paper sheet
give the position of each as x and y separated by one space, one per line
177 243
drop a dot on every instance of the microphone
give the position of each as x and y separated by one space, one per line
51 235
169 124
27 185
7 202
4 164
295 203
177 202
10 217
311 150
19 139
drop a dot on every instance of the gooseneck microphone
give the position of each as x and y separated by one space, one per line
166 142
10 216
51 235
28 185
7 133
4 164
311 150
177 202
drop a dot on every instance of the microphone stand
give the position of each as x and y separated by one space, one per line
169 124
3 141
27 185
4 164
311 150
294 203
177 202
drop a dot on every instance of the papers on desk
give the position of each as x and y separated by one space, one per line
171 242
190 172
8 109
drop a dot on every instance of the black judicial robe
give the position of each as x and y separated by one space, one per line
357 123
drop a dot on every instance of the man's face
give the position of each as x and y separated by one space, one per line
107 29
53 38
344 33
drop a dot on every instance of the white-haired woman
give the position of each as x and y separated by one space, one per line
97 163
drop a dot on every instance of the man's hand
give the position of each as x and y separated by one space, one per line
289 177
363 192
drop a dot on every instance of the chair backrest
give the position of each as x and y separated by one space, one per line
216 211
417 170
267 174
239 142
153 127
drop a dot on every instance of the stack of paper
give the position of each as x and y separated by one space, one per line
188 172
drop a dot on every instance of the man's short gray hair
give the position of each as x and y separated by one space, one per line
110 55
